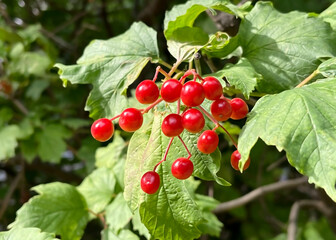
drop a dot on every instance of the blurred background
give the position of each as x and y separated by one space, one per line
45 132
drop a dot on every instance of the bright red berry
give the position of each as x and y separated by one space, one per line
130 119
102 129
221 109
147 92
235 157
171 90
172 125
182 168
192 94
239 108
150 182
193 120
212 88
207 142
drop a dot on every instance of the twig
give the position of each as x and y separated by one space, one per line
100 216
294 213
11 190
20 106
226 206
72 20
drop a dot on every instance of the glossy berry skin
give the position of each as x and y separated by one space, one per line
193 120
171 90
102 129
172 125
130 119
239 108
147 92
207 142
221 109
235 157
150 182
192 94
212 88
182 168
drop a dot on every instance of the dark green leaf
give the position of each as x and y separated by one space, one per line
59 208
302 122
8 141
284 48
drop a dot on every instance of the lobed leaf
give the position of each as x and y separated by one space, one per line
284 48
111 66
59 208
302 122
328 68
26 234
329 15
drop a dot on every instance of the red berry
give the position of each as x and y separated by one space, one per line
130 119
171 90
150 182
193 120
182 168
102 129
147 92
6 87
192 94
235 157
172 125
239 108
221 109
207 142
212 88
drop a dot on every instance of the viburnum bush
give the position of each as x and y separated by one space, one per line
281 66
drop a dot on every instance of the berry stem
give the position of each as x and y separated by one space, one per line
306 80
198 63
163 72
151 106
173 69
217 124
185 146
115 117
165 155
178 106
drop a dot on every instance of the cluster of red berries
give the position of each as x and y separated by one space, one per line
192 95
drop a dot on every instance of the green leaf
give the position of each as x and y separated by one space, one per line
36 88
75 123
59 208
139 226
220 45
8 141
98 189
182 38
184 15
6 114
147 147
50 142
329 15
302 122
118 214
185 42
284 48
87 152
328 68
111 66
108 234
30 63
241 75
9 36
26 234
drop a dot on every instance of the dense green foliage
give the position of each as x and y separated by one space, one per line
85 189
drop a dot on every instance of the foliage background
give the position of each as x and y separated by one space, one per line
44 131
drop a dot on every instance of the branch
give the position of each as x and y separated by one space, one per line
11 190
294 213
226 206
